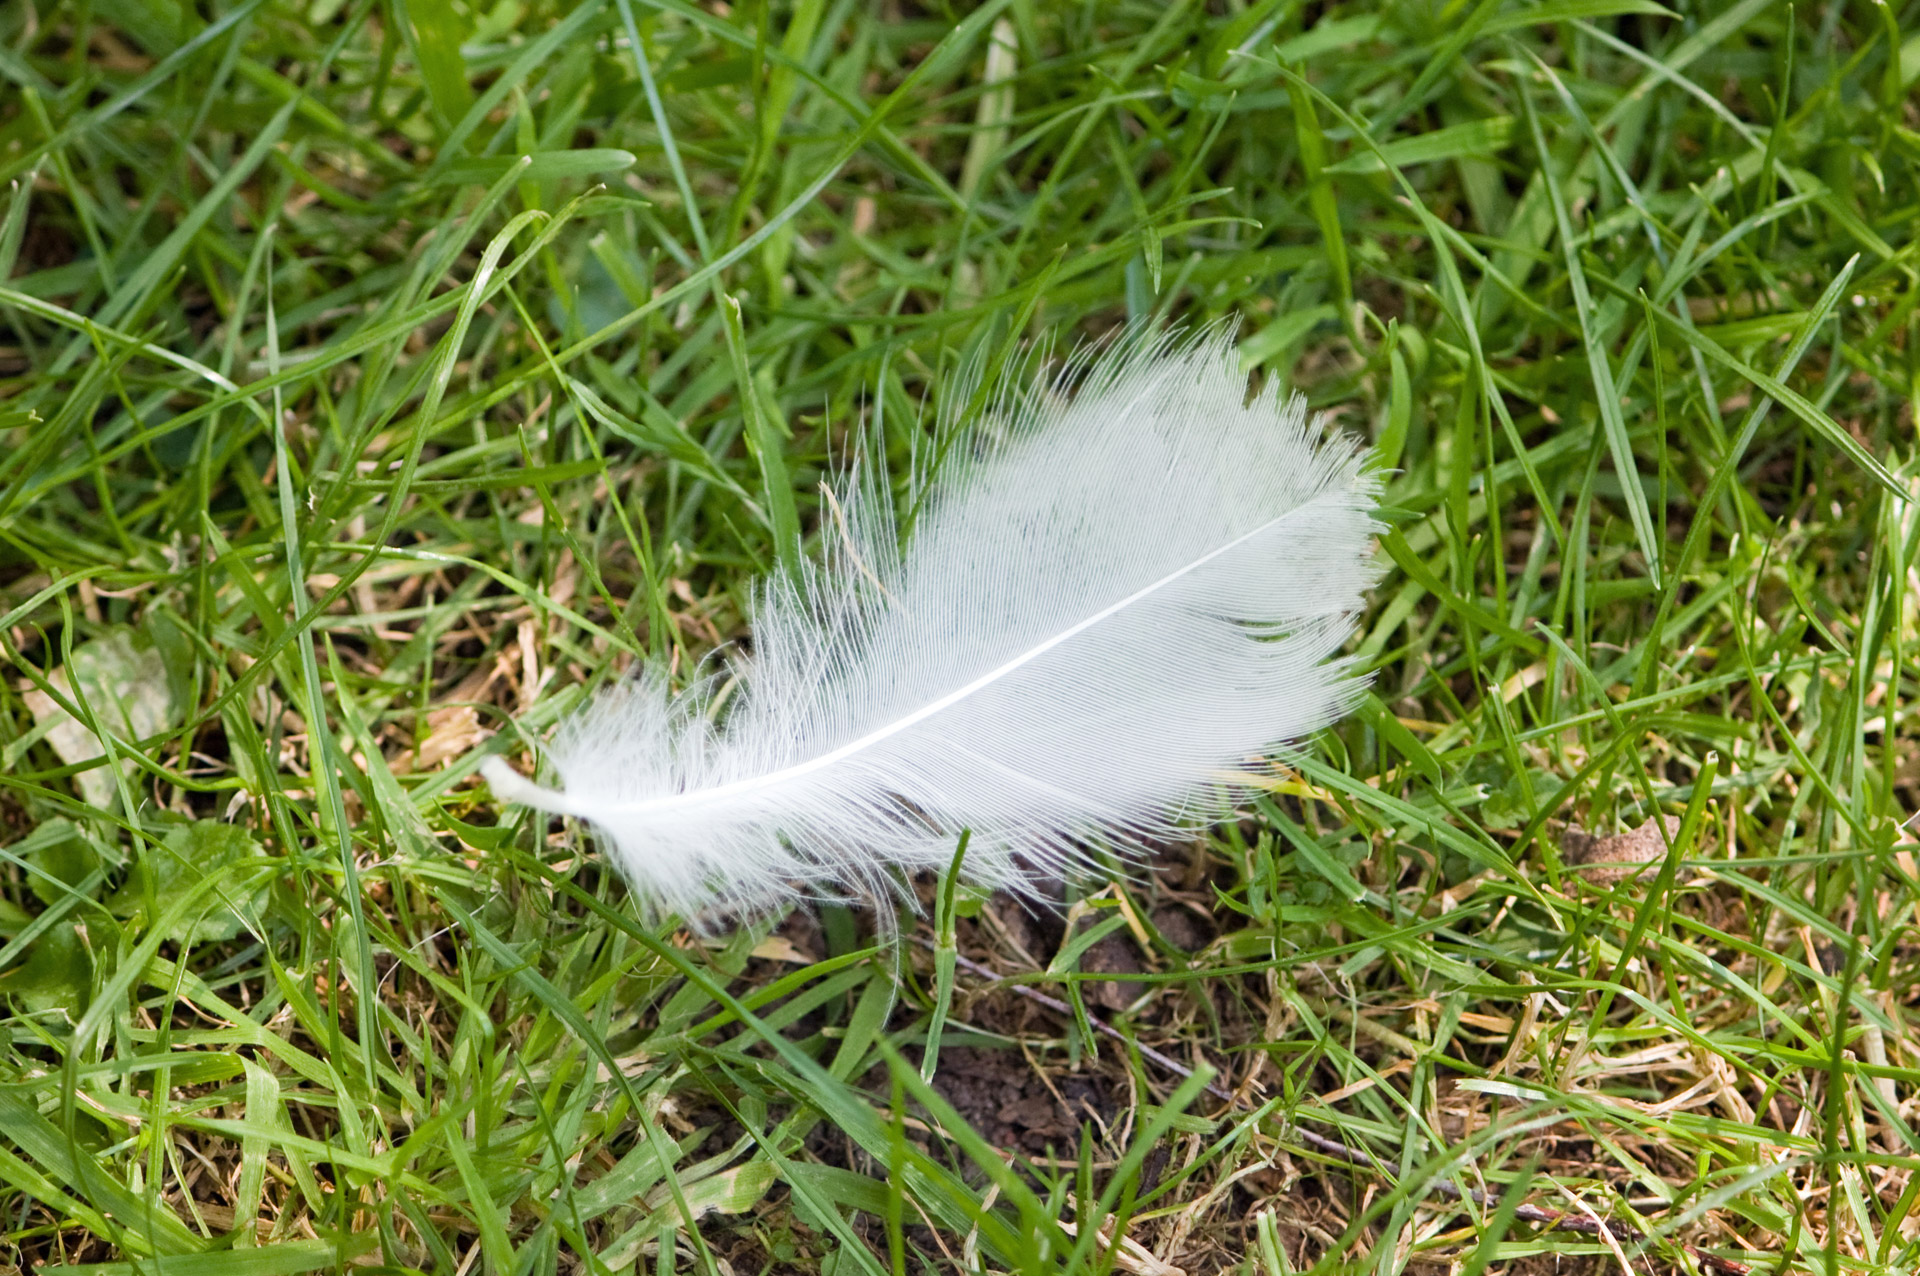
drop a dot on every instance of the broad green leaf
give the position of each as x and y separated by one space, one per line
123 681
190 854
57 973
58 860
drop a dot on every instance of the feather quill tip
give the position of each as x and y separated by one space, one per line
510 786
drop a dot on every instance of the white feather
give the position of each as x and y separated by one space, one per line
1107 605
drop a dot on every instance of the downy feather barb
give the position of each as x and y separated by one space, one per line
1122 584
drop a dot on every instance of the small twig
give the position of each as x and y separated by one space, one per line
1558 1220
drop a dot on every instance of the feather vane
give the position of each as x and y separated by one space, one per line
1109 601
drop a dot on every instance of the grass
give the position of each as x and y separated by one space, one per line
340 447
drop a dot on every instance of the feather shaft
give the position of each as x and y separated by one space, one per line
556 803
